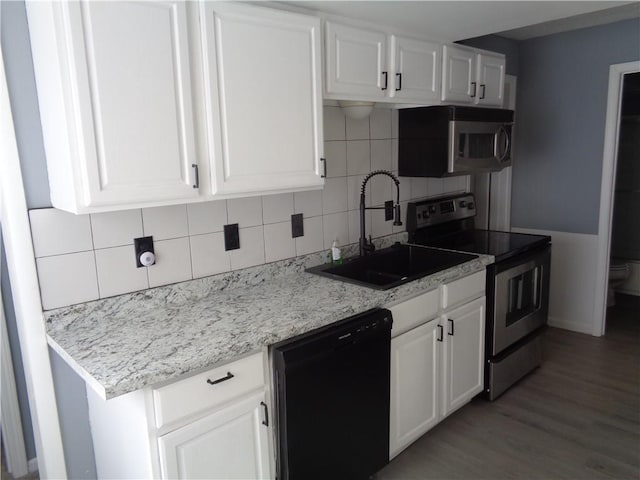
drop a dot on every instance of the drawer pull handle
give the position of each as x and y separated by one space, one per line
265 422
450 332
229 376
440 336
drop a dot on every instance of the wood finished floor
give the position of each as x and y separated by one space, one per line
576 417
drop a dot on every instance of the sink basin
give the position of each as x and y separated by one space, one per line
392 266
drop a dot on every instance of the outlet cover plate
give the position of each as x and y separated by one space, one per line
231 237
297 225
141 245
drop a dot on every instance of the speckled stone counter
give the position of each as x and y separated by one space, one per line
125 343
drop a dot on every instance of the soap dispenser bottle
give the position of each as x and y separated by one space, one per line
336 254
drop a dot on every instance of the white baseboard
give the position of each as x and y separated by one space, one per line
32 464
573 279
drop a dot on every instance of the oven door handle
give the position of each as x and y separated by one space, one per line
450 332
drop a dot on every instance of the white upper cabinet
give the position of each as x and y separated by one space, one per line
369 65
416 70
263 89
491 71
356 62
114 88
472 77
458 75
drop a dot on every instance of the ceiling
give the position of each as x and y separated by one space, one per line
449 21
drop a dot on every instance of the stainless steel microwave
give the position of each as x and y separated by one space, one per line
450 140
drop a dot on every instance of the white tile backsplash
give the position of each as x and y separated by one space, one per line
67 279
334 195
381 155
251 251
56 232
277 208
334 124
336 227
206 217
354 225
81 253
380 123
309 203
246 212
358 157
163 223
208 256
173 262
313 239
115 229
336 154
358 129
118 273
278 242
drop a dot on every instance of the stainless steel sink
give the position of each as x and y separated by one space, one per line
393 266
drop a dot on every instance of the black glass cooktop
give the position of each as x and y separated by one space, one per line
501 245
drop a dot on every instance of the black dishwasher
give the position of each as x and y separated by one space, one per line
332 400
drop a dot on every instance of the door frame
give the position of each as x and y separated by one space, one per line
21 264
607 189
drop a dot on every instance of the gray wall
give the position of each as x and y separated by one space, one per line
561 104
70 390
496 43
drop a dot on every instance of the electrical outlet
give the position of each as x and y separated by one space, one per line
388 210
145 254
231 237
297 225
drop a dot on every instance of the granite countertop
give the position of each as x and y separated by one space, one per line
125 343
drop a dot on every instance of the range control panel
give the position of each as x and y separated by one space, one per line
434 211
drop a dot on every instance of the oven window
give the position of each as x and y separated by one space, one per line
525 294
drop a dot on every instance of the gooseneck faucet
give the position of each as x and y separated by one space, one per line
367 246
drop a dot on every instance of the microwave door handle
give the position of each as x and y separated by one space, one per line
501 157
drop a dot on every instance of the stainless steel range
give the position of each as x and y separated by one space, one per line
517 283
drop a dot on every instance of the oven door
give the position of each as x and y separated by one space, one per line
479 146
521 296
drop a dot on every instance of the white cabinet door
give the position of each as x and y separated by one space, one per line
263 85
491 71
415 367
228 444
463 354
415 68
131 87
458 75
356 62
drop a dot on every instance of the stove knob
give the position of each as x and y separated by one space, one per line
471 206
463 204
432 209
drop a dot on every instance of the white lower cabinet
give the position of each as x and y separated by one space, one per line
231 443
212 425
436 366
415 372
463 355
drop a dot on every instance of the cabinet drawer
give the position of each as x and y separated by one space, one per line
195 394
414 312
466 288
